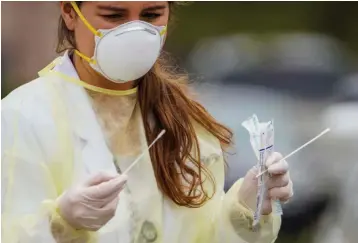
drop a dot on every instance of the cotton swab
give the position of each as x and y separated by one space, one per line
298 149
143 153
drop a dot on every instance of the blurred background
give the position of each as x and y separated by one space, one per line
294 62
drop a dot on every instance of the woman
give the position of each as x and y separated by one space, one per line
69 136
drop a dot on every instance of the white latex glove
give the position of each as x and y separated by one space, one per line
278 184
91 205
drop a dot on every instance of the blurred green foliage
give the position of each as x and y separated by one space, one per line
205 19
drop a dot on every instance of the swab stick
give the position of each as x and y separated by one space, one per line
298 149
143 153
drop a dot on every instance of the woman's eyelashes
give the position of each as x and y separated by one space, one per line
147 16
113 17
150 16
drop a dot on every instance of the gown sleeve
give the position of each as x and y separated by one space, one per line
29 210
241 218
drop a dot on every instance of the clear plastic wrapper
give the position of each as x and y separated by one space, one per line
262 142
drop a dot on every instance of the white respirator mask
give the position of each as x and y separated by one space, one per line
126 52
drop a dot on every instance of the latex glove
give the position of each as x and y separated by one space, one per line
278 184
91 205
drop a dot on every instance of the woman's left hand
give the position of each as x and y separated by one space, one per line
277 180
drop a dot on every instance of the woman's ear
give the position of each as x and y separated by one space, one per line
68 15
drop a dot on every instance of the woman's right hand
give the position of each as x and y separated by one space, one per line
91 205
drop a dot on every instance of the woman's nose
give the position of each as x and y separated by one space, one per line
133 17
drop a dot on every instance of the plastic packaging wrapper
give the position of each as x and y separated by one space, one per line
262 142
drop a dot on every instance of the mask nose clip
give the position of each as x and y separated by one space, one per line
150 31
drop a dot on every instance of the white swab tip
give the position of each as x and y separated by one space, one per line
161 133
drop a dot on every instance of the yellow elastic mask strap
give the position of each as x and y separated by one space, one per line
83 56
90 27
163 31
84 20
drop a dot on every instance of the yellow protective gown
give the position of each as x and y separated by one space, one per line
58 130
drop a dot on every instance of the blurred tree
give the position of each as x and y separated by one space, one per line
204 19
340 19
